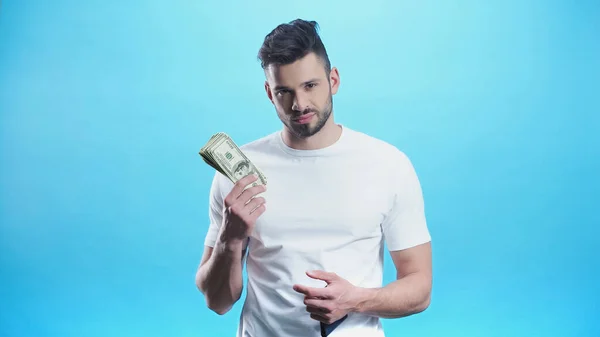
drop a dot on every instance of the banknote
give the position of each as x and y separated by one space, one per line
223 154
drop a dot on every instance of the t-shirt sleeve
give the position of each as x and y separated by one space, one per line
219 189
215 210
405 225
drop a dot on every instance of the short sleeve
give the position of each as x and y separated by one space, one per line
215 210
405 225
220 187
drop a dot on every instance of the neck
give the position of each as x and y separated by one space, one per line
327 136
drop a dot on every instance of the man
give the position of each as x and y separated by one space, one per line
315 235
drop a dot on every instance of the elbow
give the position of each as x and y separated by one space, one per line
214 301
425 298
218 309
219 306
424 304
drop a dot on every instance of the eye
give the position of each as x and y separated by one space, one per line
281 92
311 85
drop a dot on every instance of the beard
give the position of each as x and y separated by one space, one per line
308 129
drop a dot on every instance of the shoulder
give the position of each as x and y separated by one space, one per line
260 145
392 165
379 150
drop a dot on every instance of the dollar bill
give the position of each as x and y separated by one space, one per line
222 154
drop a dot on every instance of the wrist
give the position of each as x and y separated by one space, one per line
365 299
231 244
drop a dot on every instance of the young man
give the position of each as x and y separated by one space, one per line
315 235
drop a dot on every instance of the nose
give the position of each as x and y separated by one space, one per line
300 102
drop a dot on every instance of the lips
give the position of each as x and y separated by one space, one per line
304 118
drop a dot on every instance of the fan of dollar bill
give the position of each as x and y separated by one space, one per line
226 157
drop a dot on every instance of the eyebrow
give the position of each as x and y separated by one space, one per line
281 87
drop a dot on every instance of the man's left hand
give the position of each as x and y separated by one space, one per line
331 303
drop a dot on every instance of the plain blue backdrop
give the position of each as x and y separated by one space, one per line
104 198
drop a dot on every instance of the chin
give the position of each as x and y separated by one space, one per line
302 133
306 130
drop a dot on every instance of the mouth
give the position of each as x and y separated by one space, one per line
304 118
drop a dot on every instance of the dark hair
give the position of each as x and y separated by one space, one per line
290 42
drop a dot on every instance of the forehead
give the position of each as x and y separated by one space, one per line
307 68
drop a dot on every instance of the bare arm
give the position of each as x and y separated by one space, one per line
409 294
219 276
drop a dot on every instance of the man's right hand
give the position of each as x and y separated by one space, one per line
219 276
242 209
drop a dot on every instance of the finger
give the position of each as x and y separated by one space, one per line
321 305
312 292
314 310
254 203
258 211
251 192
238 188
319 308
320 318
322 275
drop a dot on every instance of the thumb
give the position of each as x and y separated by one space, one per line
322 275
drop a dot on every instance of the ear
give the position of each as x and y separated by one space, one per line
268 90
334 80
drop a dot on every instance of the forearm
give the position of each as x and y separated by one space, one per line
220 279
404 297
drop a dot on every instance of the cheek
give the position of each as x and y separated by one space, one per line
281 110
321 99
283 103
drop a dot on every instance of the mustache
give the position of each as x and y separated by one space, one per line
298 114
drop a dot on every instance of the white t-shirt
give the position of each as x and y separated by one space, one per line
329 209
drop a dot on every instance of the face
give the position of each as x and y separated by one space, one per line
302 94
241 171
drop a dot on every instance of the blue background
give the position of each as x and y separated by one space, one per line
104 198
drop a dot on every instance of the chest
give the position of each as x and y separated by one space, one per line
314 204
